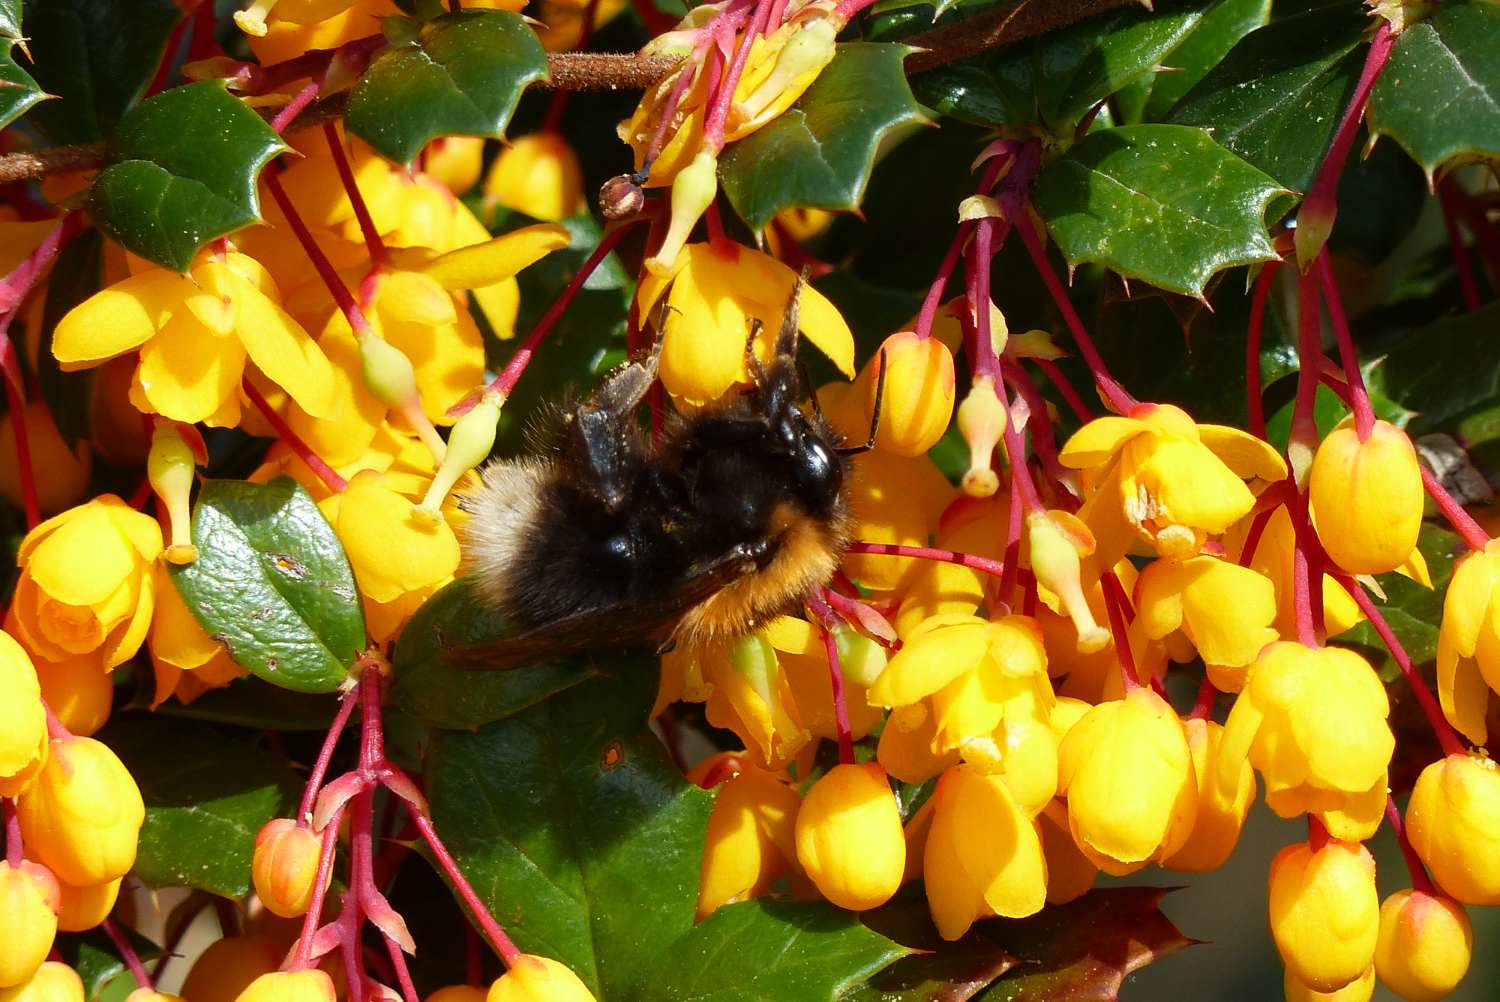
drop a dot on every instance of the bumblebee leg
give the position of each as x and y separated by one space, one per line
600 432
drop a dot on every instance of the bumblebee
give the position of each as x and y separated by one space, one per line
607 536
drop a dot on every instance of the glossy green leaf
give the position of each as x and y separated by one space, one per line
272 584
461 76
579 833
97 57
76 276
181 171
1085 948
18 92
97 961
442 696
207 795
1217 33
1439 95
1162 203
257 704
1277 97
820 152
10 18
1445 371
1055 79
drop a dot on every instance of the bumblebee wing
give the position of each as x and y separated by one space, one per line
626 624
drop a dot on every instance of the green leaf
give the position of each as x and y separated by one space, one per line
462 76
76 276
577 831
820 151
442 696
1056 78
1277 97
1220 30
251 702
1439 96
1444 371
10 18
181 171
98 58
96 960
272 584
1162 203
1085 948
18 92
1412 611
936 971
207 795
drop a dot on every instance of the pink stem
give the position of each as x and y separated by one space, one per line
302 956
1309 361
846 9
1119 400
1302 603
982 564
685 77
174 42
403 975
320 262
15 849
1252 537
1126 657
127 953
1043 445
1014 509
1317 833
1445 733
1419 880
934 296
1203 707
302 99
498 939
718 111
373 243
325 755
1364 414
827 616
1466 283
293 441
1254 405
1462 522
1059 380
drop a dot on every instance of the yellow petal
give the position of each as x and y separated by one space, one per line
119 318
185 376
500 303
89 541
1096 441
390 549
1242 452
485 264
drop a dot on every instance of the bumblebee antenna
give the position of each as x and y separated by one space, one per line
855 450
807 384
786 340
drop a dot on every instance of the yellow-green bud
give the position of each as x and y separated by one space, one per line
809 49
170 466
861 659
1057 540
469 444
388 372
693 191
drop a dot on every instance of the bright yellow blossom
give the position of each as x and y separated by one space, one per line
1361 989
289 986
537 174
196 335
1157 476
28 920
751 839
1366 497
1325 913
67 468
1468 659
1070 874
83 813
916 402
1425 945
849 837
1221 810
538 979
284 866
1223 610
455 161
83 908
60 612
79 691
1453 821
23 721
52 982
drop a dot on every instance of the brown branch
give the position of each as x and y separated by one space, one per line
577 71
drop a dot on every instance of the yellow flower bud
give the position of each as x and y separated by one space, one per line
981 421
229 966
1453 821
1361 989
171 468
83 813
983 854
23 721
52 982
1425 945
849 837
750 840
289 986
1313 722
79 691
285 866
61 474
469 444
807 51
1325 914
82 908
458 993
388 373
455 161
917 400
1221 811
537 174
1468 656
28 920
1366 497
1225 611
1057 541
693 191
1138 744
538 979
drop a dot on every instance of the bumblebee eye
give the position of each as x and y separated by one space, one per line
815 468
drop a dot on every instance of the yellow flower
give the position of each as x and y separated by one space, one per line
751 838
196 334
803 658
63 472
1468 660
983 854
83 813
1158 476
1361 989
79 691
906 745
458 993
83 908
28 920
1453 820
714 293
537 174
232 964
1223 610
893 499
1425 945
849 837
284 866
23 721
538 979
1325 914
745 690
917 401
1366 497
52 982
1313 722
61 612
177 639
252 20
1070 874
1221 811
454 160
1136 744
289 986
